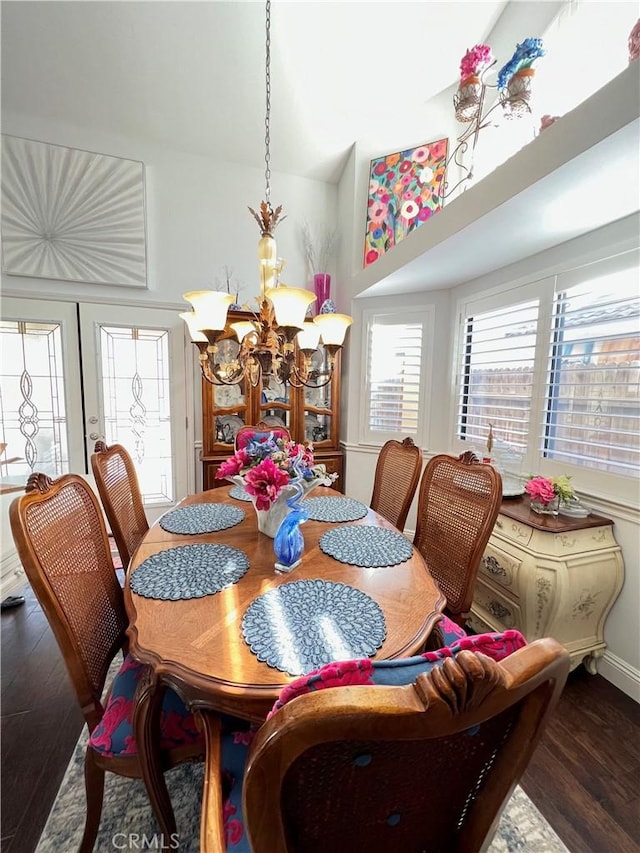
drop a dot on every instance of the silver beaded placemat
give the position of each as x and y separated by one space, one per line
299 626
239 493
201 518
363 545
335 509
189 571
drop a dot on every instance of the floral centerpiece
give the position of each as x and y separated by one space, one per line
272 469
547 493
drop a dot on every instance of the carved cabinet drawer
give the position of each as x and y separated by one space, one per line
496 609
500 567
512 530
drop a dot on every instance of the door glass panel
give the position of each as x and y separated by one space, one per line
32 401
135 399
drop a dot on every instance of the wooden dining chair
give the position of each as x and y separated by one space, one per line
61 539
424 765
246 433
119 491
396 477
459 501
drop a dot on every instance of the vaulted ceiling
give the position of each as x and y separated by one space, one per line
191 75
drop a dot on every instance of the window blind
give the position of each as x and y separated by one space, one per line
394 357
497 374
592 412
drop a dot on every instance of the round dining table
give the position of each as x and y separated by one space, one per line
196 645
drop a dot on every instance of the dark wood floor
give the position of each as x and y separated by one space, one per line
584 777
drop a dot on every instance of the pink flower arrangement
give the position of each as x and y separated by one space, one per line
540 489
475 61
544 489
267 464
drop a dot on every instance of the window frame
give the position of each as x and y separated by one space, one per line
587 481
383 316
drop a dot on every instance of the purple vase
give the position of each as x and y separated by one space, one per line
322 289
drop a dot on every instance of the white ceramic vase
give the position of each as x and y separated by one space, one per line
269 520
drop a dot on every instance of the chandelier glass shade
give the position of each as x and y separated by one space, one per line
266 345
267 341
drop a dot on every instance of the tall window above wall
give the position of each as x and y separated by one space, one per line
592 412
397 357
554 367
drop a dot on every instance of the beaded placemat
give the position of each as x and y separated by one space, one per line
363 545
239 493
299 626
201 518
189 571
335 509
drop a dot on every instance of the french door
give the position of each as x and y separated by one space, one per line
73 374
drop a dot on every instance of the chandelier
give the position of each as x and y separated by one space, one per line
267 342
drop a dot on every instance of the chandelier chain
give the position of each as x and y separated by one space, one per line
267 129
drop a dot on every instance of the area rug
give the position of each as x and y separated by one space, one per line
127 818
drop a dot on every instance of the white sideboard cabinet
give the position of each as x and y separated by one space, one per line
549 577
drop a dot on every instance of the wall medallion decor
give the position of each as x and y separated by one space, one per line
404 192
72 215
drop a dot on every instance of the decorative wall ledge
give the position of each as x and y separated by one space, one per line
578 175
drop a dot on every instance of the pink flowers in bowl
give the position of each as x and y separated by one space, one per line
266 465
540 489
475 61
545 490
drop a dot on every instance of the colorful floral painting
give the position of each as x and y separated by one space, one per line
404 193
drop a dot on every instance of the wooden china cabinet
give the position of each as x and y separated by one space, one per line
310 414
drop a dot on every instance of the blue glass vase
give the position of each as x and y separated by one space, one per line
288 543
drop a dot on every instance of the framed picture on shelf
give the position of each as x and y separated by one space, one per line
404 193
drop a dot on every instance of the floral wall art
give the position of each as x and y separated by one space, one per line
404 193
72 215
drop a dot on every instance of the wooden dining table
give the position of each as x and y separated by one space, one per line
196 646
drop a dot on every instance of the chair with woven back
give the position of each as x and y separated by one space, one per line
426 762
459 501
119 491
396 477
246 433
60 536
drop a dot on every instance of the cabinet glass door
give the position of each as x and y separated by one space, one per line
318 401
275 404
229 401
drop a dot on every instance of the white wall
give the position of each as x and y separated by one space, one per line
197 218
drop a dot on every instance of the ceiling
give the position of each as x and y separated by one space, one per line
191 75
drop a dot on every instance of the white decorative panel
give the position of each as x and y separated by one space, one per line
72 215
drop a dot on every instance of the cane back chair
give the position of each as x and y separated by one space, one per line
246 433
459 500
119 491
397 474
62 542
428 765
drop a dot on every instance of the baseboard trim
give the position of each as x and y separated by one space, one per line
620 674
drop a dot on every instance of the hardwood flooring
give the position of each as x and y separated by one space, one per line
584 776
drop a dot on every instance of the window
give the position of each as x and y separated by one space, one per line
554 368
592 412
397 355
497 378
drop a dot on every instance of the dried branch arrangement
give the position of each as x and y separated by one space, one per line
318 248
